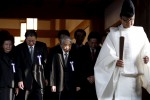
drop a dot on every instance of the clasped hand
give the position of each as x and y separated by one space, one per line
146 59
120 63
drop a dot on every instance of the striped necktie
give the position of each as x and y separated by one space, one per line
31 52
93 54
66 58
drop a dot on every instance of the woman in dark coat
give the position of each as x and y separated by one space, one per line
7 66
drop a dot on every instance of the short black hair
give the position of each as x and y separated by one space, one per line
95 35
5 35
9 37
63 32
79 30
30 33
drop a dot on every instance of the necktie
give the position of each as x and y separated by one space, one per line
66 58
93 54
31 52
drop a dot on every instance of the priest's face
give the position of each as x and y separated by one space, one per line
127 22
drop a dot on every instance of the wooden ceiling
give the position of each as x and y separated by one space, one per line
53 9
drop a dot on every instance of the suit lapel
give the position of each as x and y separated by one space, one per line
89 53
69 58
6 60
35 52
27 53
61 59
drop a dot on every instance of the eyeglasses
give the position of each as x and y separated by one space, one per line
33 41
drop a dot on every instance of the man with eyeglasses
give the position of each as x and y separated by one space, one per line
122 78
31 59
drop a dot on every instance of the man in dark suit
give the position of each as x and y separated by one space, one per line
53 50
88 58
79 36
63 74
61 34
31 59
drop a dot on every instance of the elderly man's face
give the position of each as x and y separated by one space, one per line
66 46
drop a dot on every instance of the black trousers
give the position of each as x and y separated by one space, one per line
36 93
6 93
88 91
66 95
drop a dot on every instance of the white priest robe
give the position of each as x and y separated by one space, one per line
123 83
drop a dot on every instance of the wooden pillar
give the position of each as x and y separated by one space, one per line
52 27
142 15
62 24
83 25
97 25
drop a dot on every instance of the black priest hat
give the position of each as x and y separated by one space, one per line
128 9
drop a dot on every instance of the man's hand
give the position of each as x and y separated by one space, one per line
46 82
120 63
91 79
16 91
21 85
78 89
146 59
53 88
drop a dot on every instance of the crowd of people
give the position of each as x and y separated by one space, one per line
32 71
114 70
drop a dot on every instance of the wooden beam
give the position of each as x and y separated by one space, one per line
114 25
83 25
62 24
53 24
40 33
47 33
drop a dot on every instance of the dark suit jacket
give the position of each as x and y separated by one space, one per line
86 62
27 71
6 70
63 76
87 68
51 53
